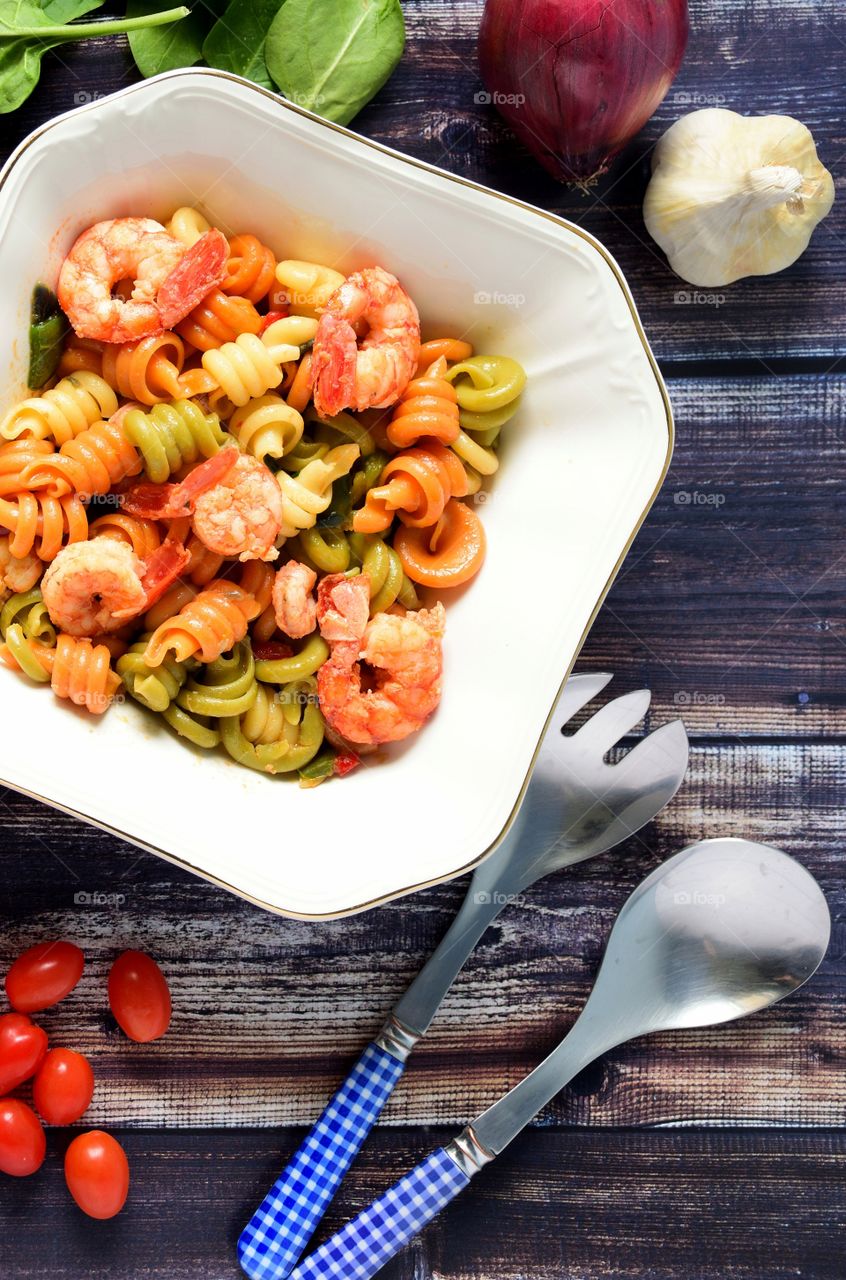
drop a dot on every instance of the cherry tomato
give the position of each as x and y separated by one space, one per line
97 1174
139 996
44 975
22 1140
63 1087
22 1049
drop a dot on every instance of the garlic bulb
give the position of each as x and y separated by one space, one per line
733 196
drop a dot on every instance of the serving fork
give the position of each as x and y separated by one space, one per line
577 805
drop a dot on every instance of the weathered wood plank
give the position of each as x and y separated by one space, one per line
270 1013
555 1207
755 58
730 606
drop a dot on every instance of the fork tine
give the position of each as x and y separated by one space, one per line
670 742
577 692
612 722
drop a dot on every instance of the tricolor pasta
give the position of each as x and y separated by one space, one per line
229 492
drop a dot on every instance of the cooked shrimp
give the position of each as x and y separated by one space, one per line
94 587
17 573
168 279
242 514
405 661
343 607
375 374
294 607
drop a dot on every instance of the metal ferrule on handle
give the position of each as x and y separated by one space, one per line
279 1230
363 1246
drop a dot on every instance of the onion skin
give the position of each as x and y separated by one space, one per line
577 79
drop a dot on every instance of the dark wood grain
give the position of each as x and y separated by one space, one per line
555 1206
270 1013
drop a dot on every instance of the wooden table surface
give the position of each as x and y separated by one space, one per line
704 1155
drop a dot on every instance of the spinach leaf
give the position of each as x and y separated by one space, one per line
28 30
332 57
67 10
236 42
165 48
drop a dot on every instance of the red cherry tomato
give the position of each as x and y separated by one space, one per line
97 1174
139 996
44 975
22 1140
22 1049
64 1086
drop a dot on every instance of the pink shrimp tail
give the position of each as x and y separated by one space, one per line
200 270
333 367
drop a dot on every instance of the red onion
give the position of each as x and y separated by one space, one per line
576 79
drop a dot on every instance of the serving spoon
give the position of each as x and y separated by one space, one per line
723 929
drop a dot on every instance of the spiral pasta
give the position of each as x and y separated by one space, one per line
225 687
43 524
172 435
15 456
66 410
147 370
297 722
207 626
197 625
90 464
251 268
266 427
77 669
428 407
415 485
80 353
249 366
154 687
309 285
144 536
218 319
309 492
188 225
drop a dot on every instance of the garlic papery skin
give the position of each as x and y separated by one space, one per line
734 196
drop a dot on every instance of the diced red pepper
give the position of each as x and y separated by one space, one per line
271 650
272 317
345 762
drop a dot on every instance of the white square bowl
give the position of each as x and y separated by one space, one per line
581 465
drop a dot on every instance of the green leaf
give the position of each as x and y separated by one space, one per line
166 48
61 11
334 56
28 31
236 41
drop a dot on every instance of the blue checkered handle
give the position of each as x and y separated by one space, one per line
281 1227
363 1246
